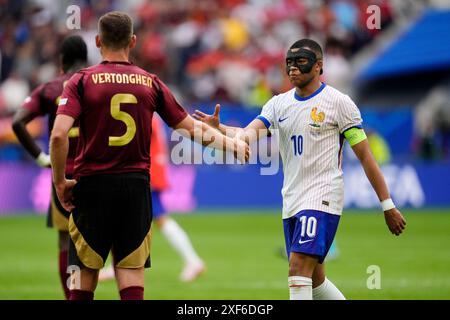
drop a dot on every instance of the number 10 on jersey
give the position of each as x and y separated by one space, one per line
297 142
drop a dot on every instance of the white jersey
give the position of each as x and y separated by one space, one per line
310 137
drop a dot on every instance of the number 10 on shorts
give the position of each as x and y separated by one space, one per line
309 226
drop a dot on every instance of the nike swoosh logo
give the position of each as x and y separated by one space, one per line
302 242
281 120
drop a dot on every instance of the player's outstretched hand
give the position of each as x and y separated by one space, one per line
395 221
241 150
65 195
210 119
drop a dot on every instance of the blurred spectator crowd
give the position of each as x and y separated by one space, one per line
228 51
221 50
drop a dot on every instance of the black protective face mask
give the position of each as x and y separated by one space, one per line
294 54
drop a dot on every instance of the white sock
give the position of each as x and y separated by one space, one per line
327 291
300 288
179 240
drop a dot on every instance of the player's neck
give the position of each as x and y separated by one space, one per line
309 89
121 55
75 67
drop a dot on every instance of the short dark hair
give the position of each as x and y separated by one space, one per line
115 29
311 44
73 51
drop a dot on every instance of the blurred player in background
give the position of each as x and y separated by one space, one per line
177 237
44 101
311 122
110 197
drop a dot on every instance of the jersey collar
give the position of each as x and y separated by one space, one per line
315 93
116 62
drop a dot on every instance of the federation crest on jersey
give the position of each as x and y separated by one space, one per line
317 118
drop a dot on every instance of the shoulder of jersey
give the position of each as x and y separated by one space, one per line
336 97
87 69
287 94
52 88
282 96
335 92
59 79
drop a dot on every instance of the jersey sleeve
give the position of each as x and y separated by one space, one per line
267 115
70 101
349 115
168 107
33 103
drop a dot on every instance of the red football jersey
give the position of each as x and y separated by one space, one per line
114 102
44 101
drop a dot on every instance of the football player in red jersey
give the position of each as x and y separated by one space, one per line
110 197
172 231
44 101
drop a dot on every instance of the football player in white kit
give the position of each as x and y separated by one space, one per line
311 122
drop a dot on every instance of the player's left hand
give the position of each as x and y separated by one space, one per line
210 119
395 221
64 191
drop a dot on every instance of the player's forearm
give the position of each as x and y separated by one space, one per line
19 127
375 176
59 146
210 137
204 134
248 134
228 130
25 139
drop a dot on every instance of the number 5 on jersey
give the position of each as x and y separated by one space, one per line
120 115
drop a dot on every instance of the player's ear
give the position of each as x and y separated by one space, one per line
319 65
133 41
98 42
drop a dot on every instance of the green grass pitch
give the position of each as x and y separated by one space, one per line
242 253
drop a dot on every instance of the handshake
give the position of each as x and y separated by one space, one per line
241 149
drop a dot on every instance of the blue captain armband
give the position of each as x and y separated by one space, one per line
355 135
